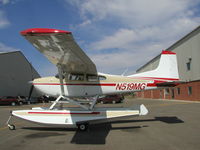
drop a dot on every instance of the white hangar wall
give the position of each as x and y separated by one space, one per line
15 73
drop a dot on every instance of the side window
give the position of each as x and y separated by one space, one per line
76 77
189 90
92 78
102 78
188 64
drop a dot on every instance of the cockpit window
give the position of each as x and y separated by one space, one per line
76 77
57 76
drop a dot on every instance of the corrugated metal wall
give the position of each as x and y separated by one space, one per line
15 73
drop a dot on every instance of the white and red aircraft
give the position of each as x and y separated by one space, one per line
78 77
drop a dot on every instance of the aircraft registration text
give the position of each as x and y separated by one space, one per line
131 86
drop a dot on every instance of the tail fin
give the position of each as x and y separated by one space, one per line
167 68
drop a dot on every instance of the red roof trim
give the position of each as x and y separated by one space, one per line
168 52
42 31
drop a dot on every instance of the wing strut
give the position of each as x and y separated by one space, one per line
94 102
60 74
62 94
74 102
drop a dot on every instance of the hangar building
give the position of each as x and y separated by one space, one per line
188 57
15 73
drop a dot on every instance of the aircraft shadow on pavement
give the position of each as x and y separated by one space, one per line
97 133
170 120
165 119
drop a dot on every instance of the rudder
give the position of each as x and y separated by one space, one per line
167 68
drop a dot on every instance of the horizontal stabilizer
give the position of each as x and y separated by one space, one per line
169 84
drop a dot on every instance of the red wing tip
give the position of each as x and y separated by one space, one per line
42 31
168 52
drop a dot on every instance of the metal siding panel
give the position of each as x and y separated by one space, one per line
189 49
151 66
185 49
15 74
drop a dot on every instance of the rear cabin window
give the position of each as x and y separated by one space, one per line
92 78
102 78
76 77
95 78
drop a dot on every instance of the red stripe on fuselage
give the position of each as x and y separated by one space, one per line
66 113
155 78
84 84
151 85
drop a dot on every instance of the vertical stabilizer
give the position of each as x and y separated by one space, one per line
167 68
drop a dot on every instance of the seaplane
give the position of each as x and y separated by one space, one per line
78 78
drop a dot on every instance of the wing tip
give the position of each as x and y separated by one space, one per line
42 31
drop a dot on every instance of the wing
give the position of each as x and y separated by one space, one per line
60 48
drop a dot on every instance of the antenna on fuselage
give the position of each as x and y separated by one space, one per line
125 71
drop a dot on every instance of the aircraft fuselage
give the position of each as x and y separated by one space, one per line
83 86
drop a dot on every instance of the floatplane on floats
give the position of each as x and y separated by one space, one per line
78 77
